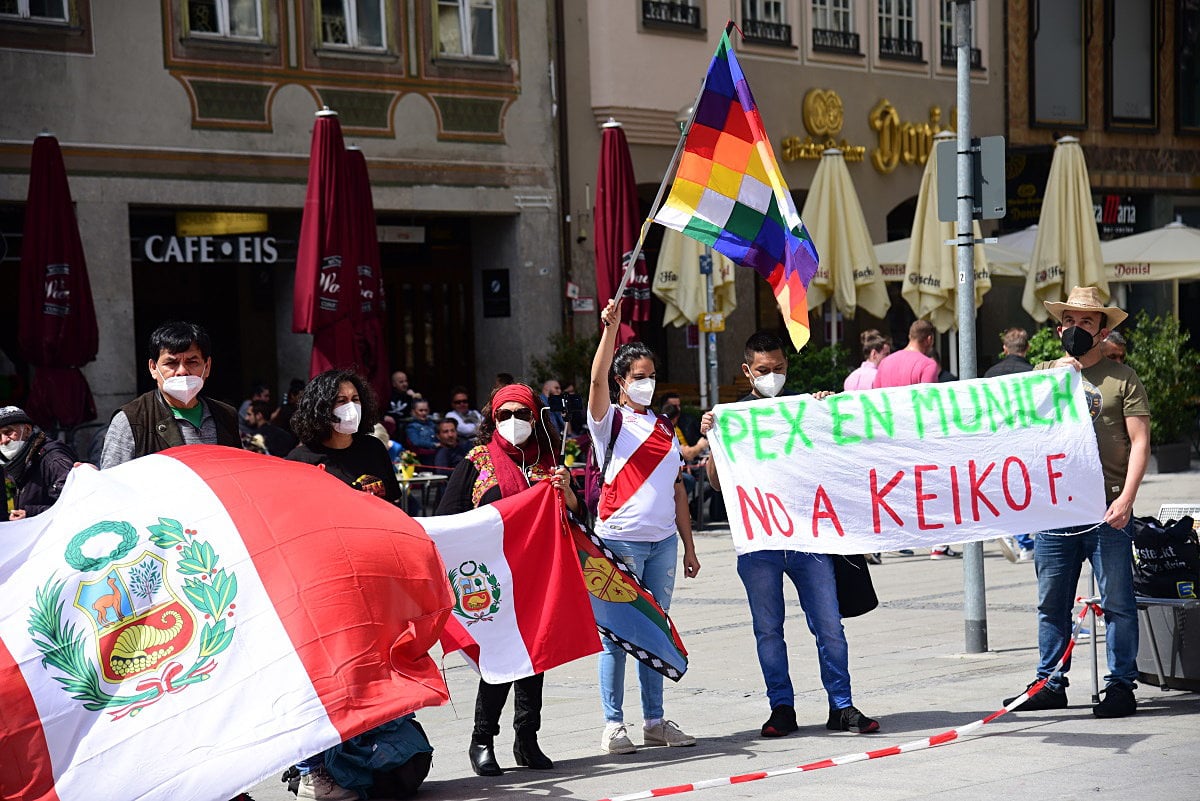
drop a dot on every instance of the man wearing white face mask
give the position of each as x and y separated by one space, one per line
762 574
37 466
174 413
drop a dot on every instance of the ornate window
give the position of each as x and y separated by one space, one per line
765 21
233 19
833 26
354 24
671 14
467 29
897 30
949 54
36 10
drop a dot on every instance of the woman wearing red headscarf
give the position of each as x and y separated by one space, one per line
515 450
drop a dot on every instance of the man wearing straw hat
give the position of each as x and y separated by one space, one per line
1121 416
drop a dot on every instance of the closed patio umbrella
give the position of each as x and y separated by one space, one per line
931 270
680 286
1164 254
618 223
849 270
363 250
56 317
1067 250
325 298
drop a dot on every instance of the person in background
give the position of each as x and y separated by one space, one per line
451 450
549 389
277 441
420 433
1121 418
36 465
642 516
466 419
174 413
403 397
762 574
282 417
515 451
874 348
259 392
1114 346
1015 342
503 380
692 444
913 365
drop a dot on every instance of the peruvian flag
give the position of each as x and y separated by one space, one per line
185 625
520 604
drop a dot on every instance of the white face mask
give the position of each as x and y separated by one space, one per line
641 391
347 418
11 449
769 385
183 387
514 430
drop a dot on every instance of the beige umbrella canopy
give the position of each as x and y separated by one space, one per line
1066 253
1000 260
1164 254
680 286
931 270
848 272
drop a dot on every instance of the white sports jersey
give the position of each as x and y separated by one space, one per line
637 502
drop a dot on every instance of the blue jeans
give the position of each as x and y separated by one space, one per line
762 574
654 564
1058 560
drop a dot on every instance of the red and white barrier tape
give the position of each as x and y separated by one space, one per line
916 745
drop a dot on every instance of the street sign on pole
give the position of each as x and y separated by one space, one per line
989 200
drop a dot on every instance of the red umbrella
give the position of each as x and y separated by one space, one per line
325 298
57 330
618 224
363 253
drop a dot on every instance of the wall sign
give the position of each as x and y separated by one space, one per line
161 249
496 297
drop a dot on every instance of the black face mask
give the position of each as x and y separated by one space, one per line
1076 341
670 410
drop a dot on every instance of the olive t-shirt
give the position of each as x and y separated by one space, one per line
1121 395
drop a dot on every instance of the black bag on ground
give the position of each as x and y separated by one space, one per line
1167 561
855 592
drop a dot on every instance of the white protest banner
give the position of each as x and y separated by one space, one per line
885 469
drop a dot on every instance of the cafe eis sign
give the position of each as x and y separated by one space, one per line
897 141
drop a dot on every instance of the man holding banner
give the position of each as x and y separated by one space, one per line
762 574
1121 416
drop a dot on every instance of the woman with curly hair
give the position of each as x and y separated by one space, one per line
334 420
515 450
642 506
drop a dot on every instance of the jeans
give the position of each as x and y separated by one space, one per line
527 708
654 564
1058 559
762 574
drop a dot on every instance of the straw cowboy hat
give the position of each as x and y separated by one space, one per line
1086 299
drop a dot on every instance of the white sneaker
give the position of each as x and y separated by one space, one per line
1009 546
320 786
615 740
1025 555
665 732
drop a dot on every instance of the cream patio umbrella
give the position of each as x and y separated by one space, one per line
1066 252
1164 254
1001 260
931 270
680 286
849 271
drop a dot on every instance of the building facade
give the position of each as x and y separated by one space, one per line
186 126
873 77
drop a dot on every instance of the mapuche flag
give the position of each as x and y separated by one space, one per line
188 623
729 193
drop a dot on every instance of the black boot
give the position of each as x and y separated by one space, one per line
529 755
483 757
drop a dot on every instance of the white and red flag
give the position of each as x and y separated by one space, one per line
520 604
186 624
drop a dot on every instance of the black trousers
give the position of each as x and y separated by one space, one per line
527 703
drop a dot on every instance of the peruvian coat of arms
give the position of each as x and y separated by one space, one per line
157 611
476 592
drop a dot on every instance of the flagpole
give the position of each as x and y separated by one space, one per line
662 187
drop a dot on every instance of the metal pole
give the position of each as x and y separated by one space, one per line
706 268
974 595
